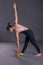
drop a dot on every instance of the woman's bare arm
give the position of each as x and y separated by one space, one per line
16 15
15 23
17 39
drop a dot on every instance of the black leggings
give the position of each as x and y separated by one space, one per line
30 37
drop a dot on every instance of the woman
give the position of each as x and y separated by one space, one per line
22 29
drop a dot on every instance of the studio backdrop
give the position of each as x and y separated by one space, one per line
30 14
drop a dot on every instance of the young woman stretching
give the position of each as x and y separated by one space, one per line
22 29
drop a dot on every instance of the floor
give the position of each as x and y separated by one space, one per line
7 56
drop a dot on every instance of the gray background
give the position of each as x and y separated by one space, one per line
30 13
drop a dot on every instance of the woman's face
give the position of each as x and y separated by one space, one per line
11 29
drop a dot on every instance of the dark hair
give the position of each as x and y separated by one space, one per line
9 26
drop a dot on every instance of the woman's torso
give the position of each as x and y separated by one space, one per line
20 28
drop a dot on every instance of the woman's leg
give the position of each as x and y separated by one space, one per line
32 39
25 45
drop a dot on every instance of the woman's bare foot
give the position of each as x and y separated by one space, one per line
20 54
38 54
